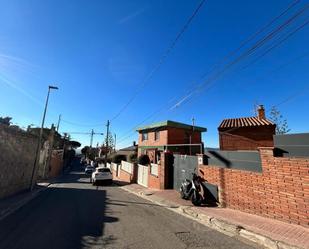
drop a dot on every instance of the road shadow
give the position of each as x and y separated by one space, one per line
68 215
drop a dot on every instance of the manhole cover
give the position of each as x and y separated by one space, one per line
192 240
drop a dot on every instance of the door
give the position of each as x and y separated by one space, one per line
184 166
142 175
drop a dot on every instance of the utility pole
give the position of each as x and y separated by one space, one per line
38 148
107 135
191 135
59 119
115 143
63 152
91 138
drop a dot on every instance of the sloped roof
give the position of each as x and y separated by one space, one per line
169 123
244 122
130 148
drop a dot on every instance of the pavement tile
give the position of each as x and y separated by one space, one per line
276 230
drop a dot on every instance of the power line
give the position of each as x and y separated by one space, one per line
247 53
162 59
278 43
81 125
160 110
83 133
251 37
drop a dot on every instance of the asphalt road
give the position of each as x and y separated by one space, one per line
74 214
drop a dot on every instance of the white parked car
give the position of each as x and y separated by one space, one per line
89 169
101 174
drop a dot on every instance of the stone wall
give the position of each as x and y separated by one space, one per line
56 163
17 155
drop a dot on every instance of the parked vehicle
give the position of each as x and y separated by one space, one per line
101 174
83 161
89 169
193 189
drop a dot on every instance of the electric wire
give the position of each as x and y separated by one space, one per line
161 61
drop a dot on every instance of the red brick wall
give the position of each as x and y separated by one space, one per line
124 176
247 138
153 181
281 191
178 136
158 182
169 136
151 139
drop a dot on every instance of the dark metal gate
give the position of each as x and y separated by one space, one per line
183 167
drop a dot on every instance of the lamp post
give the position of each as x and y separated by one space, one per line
40 136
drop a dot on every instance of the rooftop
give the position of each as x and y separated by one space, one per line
169 123
244 122
130 148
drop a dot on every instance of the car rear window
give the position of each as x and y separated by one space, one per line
104 170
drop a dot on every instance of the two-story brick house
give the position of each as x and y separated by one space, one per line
169 136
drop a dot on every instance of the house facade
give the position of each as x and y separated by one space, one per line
247 133
128 150
169 136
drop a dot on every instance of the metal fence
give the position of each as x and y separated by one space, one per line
242 160
183 168
292 145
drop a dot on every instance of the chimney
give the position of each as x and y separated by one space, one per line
261 112
134 143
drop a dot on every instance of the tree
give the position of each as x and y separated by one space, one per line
5 120
281 123
85 150
111 143
75 144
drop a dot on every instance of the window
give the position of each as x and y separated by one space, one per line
157 135
144 136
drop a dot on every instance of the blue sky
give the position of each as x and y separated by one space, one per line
98 52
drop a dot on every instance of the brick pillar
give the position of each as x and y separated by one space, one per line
134 173
161 170
266 154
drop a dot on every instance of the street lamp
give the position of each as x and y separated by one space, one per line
40 137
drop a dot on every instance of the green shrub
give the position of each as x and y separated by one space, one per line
133 158
119 158
144 160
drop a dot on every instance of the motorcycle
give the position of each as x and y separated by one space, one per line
193 189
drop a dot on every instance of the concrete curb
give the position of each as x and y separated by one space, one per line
222 226
22 202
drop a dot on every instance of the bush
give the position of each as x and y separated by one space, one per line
132 158
119 158
100 160
144 160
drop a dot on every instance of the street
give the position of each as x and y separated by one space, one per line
75 214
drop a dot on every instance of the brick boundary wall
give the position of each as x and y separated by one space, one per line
281 191
153 180
17 154
124 176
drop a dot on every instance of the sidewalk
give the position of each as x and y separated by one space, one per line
267 232
13 203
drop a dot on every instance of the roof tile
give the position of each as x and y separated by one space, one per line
244 122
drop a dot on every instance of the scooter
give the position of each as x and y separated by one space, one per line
193 189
